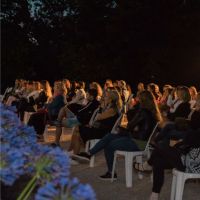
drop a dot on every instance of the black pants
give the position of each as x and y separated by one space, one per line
38 121
161 159
88 133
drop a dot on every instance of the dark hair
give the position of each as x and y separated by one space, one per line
93 92
81 85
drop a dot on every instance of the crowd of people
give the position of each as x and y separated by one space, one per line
93 112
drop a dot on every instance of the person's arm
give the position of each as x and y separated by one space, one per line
106 114
80 95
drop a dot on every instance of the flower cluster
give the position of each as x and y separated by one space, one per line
49 167
65 189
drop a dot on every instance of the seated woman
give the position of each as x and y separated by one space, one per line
79 100
137 132
27 103
193 93
154 88
95 85
39 119
184 156
177 127
44 95
105 119
82 117
57 102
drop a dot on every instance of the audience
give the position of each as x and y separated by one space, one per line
139 128
177 111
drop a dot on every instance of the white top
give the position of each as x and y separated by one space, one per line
79 97
34 94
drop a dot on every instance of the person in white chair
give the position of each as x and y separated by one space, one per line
132 138
184 156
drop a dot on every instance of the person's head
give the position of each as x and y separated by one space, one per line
17 82
167 91
73 85
115 83
148 101
166 86
47 88
197 105
122 84
108 83
183 94
140 87
58 88
95 85
80 85
92 94
193 92
113 99
67 83
30 85
151 87
37 85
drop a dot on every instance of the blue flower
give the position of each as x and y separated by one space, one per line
21 154
65 189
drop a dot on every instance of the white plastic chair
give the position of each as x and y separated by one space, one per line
129 156
91 143
178 183
126 106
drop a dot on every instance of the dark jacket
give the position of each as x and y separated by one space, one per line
183 110
195 120
144 121
41 99
86 112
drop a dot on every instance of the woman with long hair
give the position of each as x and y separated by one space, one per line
131 138
104 121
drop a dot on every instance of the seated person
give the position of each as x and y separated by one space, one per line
105 119
103 122
57 102
137 132
39 119
178 124
82 117
79 100
184 156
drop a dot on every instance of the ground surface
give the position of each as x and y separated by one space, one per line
105 190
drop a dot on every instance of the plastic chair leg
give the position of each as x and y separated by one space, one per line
173 188
128 170
114 165
180 182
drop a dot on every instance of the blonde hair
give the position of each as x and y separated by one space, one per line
59 87
116 100
193 92
47 88
198 101
148 101
97 86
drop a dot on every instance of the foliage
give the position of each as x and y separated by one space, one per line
77 38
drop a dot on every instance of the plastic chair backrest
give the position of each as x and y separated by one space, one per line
152 134
93 117
114 131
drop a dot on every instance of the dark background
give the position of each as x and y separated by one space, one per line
135 40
